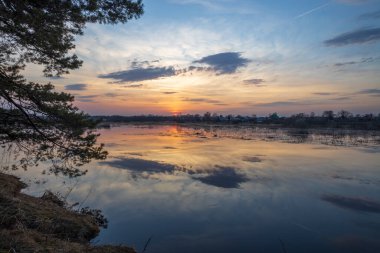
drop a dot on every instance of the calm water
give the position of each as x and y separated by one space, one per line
232 190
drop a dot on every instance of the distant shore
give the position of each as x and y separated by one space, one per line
328 120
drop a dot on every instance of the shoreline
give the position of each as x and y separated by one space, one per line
45 224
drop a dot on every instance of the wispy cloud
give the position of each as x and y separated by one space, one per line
370 15
133 86
363 60
258 82
77 86
201 100
313 10
87 98
369 91
360 36
324 93
352 1
224 6
340 98
280 103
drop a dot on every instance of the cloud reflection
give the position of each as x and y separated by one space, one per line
140 165
224 177
353 203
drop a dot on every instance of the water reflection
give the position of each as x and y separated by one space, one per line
221 189
140 165
224 177
353 203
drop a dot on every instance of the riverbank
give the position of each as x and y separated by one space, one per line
45 224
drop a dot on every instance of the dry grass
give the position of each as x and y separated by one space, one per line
30 224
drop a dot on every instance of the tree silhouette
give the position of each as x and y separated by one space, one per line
34 119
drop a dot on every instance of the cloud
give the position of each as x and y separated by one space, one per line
279 103
356 204
340 64
224 63
201 100
77 86
363 60
313 10
253 159
256 82
212 4
370 91
360 36
169 92
370 15
340 98
112 95
324 93
352 1
224 177
133 86
139 74
195 68
87 98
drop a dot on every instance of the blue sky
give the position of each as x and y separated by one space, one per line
232 56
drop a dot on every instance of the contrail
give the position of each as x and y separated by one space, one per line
313 10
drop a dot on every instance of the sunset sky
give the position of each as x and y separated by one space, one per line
231 56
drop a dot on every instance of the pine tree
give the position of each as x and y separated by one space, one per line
35 120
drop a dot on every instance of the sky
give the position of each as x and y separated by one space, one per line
231 57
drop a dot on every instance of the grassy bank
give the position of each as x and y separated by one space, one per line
45 224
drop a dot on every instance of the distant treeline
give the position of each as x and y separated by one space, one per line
328 119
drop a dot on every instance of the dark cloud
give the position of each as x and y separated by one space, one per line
169 92
201 100
353 203
141 64
363 60
280 103
140 165
257 82
87 98
133 86
195 68
224 63
224 177
370 91
253 159
340 64
370 15
341 98
138 74
324 93
111 95
360 36
77 86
